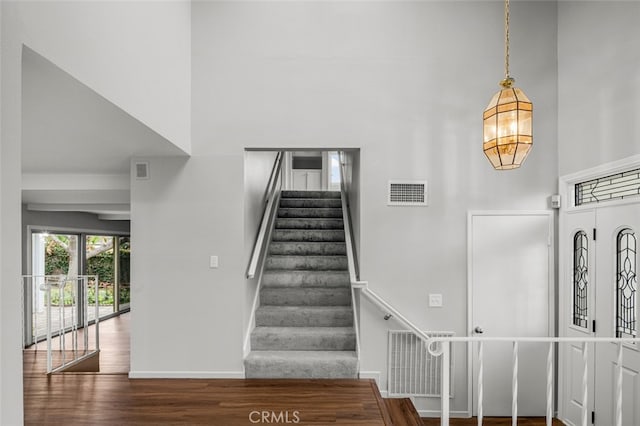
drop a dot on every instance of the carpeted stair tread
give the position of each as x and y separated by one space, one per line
310 194
303 338
325 263
306 296
292 278
304 324
308 235
309 223
308 248
310 202
304 316
310 212
301 365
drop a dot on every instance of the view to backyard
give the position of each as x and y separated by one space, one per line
57 257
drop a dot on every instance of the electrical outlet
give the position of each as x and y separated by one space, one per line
435 300
213 262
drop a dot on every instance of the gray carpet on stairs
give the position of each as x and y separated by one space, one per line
304 325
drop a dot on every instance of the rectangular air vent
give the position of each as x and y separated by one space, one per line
142 170
407 193
412 370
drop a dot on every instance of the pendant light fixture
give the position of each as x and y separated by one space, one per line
508 135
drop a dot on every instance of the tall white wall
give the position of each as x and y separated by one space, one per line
406 83
598 83
10 296
134 53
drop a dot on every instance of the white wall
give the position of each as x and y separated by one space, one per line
406 83
10 309
598 83
257 171
134 53
188 319
2 380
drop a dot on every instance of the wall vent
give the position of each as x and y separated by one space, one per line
412 370
142 170
407 193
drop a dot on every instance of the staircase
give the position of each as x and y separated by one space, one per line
304 325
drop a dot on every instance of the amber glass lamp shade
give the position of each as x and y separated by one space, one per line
508 128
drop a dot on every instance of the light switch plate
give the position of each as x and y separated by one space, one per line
435 300
213 262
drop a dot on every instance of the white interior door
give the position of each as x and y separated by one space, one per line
578 296
509 287
307 180
618 241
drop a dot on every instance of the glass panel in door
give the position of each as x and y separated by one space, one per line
124 273
100 261
53 256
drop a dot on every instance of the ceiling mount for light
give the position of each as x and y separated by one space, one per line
508 135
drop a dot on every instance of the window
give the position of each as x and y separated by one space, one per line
580 279
613 187
626 284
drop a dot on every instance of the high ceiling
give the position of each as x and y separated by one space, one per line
76 145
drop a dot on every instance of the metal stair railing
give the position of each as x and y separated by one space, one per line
271 205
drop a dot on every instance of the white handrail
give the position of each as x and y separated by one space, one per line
387 308
349 245
440 346
351 262
270 200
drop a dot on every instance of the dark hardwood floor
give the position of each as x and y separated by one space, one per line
494 421
110 398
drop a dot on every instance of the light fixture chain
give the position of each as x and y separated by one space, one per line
506 39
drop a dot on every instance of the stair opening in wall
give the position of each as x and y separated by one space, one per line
317 170
302 318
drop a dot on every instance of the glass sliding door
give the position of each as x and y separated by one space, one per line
53 255
100 261
124 273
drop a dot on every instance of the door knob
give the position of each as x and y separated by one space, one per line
478 330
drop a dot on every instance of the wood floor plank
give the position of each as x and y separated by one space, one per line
493 421
110 398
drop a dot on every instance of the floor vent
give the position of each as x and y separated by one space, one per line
407 193
412 370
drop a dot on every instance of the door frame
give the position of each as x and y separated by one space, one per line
551 280
566 189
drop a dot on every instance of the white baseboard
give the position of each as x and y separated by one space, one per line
371 375
375 375
186 375
436 413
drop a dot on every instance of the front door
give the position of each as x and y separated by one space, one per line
510 255
600 300
578 247
618 232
